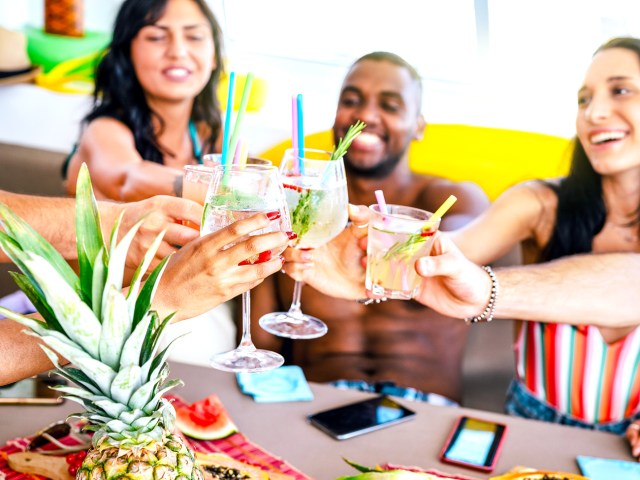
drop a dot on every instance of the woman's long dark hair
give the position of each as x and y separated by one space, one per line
581 212
118 92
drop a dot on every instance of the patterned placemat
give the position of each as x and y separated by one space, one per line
239 447
236 446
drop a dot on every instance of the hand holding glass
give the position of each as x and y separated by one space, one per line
238 192
316 191
396 241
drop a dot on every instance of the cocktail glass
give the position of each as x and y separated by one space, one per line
214 159
196 178
396 241
237 192
316 192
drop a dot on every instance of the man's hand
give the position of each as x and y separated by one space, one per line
159 213
203 274
335 269
452 285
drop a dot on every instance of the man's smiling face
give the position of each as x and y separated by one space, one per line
387 99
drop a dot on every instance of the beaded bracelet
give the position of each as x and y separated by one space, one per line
369 301
487 313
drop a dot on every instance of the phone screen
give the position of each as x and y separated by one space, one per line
474 443
33 390
360 417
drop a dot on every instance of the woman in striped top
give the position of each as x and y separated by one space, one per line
584 375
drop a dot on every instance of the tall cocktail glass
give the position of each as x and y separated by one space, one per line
238 192
396 241
316 192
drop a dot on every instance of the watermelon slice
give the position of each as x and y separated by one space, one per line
205 419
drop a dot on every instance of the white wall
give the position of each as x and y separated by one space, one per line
525 78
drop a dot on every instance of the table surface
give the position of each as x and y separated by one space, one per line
282 429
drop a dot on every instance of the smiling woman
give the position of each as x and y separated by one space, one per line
155 108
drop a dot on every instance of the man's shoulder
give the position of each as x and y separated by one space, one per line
435 189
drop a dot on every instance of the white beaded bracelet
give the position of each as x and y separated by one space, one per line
487 313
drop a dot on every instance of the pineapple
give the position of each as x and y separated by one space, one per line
112 340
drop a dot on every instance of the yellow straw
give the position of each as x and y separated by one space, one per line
439 213
244 153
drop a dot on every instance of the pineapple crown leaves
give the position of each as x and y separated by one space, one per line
111 338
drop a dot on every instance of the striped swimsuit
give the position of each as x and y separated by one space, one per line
572 369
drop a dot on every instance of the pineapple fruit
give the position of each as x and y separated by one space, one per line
110 337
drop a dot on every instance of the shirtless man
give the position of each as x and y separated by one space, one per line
396 341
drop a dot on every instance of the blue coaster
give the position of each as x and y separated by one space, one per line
284 384
607 469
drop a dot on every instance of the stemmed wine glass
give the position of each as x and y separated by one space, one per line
237 192
316 191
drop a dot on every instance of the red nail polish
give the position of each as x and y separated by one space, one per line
273 215
306 249
292 235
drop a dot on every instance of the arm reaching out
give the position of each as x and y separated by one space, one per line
581 289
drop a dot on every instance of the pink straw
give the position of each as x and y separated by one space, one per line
294 133
237 154
382 204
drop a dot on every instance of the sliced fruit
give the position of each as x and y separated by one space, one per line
205 419
221 466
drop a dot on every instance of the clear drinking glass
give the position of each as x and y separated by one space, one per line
316 192
237 192
396 241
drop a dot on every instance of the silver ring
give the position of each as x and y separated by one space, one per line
365 225
635 426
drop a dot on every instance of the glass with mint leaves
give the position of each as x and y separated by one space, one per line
397 237
237 192
316 190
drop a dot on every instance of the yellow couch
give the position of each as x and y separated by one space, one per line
493 158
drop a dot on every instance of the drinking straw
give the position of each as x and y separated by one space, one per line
294 133
439 212
236 156
241 111
227 119
382 204
300 133
244 153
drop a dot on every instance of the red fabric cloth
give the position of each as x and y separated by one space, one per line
236 446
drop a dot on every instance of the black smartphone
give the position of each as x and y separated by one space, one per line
474 443
360 417
33 390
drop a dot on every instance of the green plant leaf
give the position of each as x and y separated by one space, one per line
155 338
37 298
88 231
134 286
100 270
116 327
75 316
143 302
131 349
125 383
31 241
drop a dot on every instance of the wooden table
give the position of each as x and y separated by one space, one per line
282 429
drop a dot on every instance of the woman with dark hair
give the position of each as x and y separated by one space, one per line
585 375
155 107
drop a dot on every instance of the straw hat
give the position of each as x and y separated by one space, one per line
15 66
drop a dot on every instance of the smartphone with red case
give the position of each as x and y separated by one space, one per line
474 443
